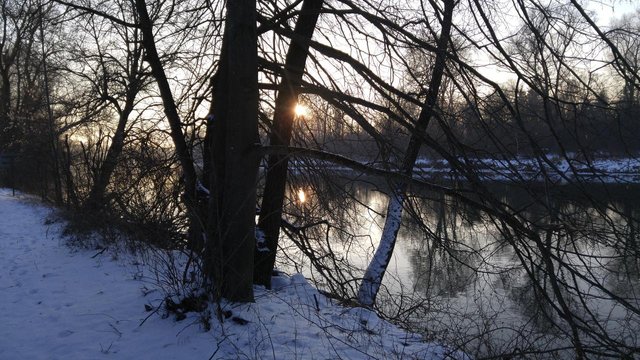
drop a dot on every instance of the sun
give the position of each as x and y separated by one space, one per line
301 110
302 196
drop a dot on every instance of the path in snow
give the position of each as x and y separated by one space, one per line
60 304
57 303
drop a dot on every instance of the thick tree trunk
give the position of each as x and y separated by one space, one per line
276 177
378 266
234 158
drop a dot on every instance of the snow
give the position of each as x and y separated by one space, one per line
375 271
516 169
202 189
621 170
62 303
261 241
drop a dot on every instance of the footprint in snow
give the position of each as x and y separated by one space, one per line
65 333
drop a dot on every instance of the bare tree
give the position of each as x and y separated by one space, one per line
20 26
280 135
415 115
117 78
376 269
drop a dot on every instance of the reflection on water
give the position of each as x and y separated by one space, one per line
463 277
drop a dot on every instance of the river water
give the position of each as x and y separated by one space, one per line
459 276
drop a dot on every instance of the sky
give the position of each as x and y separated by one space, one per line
604 13
609 10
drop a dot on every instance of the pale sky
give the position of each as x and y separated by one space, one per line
607 10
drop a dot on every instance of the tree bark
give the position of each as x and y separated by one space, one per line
230 238
277 164
377 267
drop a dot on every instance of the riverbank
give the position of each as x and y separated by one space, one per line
63 303
560 170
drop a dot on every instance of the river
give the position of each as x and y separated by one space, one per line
460 276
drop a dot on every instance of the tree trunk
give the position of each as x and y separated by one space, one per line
377 267
230 238
5 101
95 201
134 80
170 108
276 177
196 217
55 158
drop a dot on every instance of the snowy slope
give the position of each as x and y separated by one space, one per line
58 303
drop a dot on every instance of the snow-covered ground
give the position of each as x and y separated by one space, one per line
61 303
620 170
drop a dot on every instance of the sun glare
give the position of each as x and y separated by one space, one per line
301 110
302 196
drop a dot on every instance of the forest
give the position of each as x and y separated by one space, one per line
467 169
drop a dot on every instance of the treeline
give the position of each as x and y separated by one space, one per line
584 127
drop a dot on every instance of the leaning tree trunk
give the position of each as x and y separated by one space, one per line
276 177
95 200
230 240
196 222
377 267
170 108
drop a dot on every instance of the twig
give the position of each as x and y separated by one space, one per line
99 252
153 312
